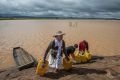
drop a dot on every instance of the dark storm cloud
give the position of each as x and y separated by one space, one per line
62 8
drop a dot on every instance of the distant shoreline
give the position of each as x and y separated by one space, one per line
58 19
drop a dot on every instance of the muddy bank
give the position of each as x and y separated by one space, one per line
99 68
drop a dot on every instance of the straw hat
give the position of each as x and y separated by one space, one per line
58 33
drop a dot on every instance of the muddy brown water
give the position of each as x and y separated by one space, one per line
35 35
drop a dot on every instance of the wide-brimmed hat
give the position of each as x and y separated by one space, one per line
58 33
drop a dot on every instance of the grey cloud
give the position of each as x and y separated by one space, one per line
63 8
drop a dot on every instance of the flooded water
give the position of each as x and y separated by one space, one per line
35 35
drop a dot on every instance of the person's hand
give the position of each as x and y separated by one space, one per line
67 59
43 65
88 51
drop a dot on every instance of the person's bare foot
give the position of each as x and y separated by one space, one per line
74 62
56 70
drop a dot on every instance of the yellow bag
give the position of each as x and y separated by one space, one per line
77 57
83 58
41 71
67 64
88 55
80 58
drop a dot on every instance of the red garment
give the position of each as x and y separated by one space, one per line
83 46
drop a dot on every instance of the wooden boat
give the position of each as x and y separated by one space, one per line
22 58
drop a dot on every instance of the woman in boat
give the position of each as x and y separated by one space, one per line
56 49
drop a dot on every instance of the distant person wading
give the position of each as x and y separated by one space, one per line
56 49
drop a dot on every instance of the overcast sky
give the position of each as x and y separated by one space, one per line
62 8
